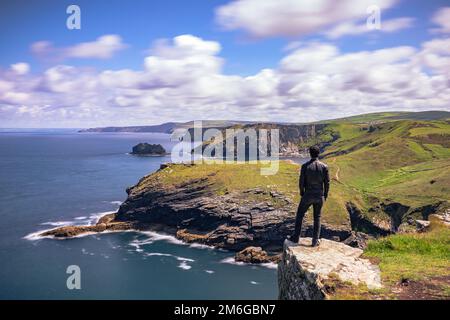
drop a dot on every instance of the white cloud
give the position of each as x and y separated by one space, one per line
358 28
20 68
182 79
103 47
435 55
442 19
270 18
187 59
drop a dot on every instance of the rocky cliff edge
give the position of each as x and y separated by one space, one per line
304 272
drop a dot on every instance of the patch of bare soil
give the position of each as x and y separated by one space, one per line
429 289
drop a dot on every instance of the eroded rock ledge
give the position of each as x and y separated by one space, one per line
304 270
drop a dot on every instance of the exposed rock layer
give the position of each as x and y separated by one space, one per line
234 220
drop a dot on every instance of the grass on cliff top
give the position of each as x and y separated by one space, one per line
239 176
417 259
415 256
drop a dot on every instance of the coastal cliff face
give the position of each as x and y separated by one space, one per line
305 272
231 206
293 139
203 209
226 206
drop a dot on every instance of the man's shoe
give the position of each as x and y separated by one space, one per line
315 243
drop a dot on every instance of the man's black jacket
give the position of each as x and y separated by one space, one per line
314 179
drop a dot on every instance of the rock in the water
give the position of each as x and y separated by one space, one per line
255 255
148 149
303 269
105 223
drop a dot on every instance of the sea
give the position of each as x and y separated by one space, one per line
57 177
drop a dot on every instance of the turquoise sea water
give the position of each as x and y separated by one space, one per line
56 177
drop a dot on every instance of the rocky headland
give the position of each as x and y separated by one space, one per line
192 202
230 207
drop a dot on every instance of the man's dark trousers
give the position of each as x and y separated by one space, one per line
305 203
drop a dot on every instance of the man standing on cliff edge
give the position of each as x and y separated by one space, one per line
314 186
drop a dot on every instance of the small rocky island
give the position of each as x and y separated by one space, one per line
147 149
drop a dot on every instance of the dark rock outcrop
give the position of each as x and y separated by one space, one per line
146 149
105 223
256 255
358 240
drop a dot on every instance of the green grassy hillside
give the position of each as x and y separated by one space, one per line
392 116
405 162
390 170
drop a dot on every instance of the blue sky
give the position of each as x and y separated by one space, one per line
140 22
244 53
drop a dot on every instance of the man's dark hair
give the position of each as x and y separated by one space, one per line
314 151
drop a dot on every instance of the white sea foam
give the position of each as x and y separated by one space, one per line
184 259
230 260
159 254
183 265
91 220
84 251
209 271
37 235
57 223
138 243
116 202
154 236
200 246
254 282
270 265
